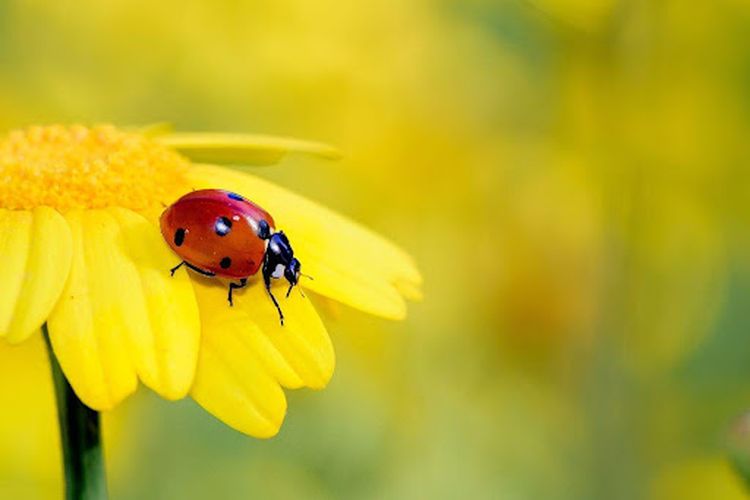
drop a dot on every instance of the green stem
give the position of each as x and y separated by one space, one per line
80 438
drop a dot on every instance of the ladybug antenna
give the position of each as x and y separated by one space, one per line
288 292
307 276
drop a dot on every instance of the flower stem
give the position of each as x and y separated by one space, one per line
80 438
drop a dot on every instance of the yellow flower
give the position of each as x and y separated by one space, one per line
82 251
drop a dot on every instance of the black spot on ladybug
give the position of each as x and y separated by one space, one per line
225 263
179 237
222 226
235 196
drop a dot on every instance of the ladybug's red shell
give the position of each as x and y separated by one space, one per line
216 231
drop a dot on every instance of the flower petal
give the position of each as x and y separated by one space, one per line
117 318
349 262
35 248
15 242
302 340
231 381
232 385
219 320
155 129
166 361
246 354
242 149
88 327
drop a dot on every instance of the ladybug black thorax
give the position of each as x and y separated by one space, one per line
278 245
279 260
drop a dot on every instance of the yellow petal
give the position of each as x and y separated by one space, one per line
89 325
410 290
237 390
349 263
246 354
28 424
219 320
35 248
242 149
114 321
155 129
302 340
166 359
233 381
15 243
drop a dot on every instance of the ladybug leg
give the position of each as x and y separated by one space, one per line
190 266
233 286
275 302
175 268
267 271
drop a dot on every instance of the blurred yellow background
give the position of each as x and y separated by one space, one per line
571 175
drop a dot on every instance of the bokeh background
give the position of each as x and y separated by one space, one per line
571 175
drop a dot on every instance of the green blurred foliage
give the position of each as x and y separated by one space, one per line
571 176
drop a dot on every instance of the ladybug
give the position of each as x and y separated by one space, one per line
220 233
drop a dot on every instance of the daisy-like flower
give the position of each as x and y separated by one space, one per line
82 254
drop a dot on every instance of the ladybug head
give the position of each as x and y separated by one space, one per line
292 273
280 250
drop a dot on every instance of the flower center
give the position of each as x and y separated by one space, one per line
80 167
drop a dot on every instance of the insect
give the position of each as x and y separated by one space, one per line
220 233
